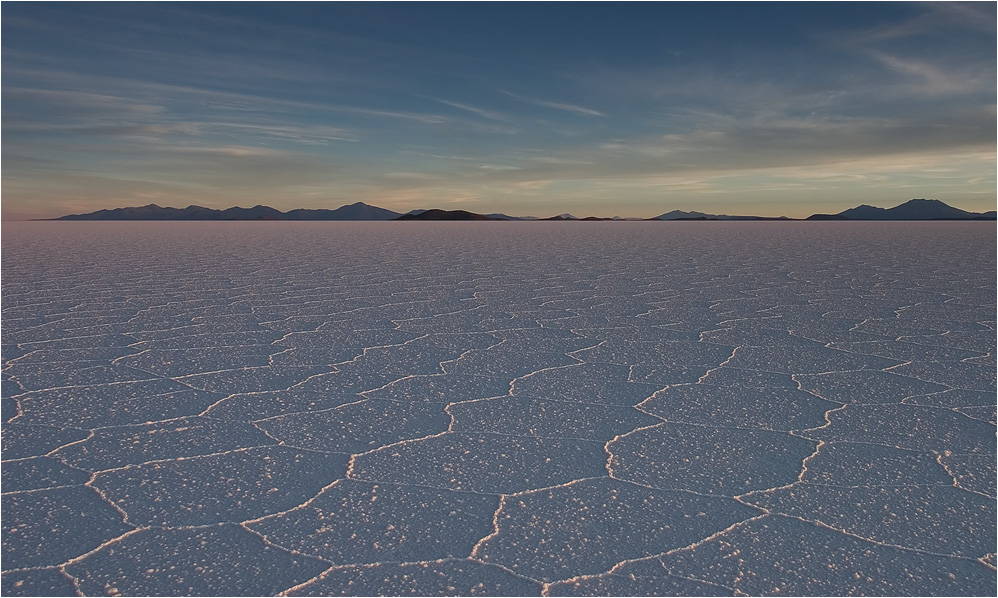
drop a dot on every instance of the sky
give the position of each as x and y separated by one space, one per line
594 109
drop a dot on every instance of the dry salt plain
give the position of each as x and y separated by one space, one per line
498 408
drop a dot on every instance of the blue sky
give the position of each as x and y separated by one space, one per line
523 108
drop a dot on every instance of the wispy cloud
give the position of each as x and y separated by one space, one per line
556 105
310 135
930 79
230 151
489 114
933 17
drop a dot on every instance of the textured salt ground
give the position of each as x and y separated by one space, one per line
522 410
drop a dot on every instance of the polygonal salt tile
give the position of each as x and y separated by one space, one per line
904 351
255 406
78 342
398 361
911 427
976 473
777 555
863 464
8 409
525 416
189 437
471 320
436 578
589 526
111 405
235 486
441 388
538 334
985 360
354 522
314 356
219 560
37 473
58 375
222 339
333 337
545 344
897 328
36 582
652 334
801 357
675 353
938 519
866 386
24 440
766 408
660 376
987 413
622 582
489 463
505 364
762 333
587 371
49 527
464 341
725 376
42 357
725 461
979 341
252 379
956 397
954 374
9 387
358 427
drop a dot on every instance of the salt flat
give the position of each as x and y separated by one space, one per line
499 408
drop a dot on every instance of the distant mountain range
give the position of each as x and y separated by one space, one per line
355 211
681 215
444 215
915 209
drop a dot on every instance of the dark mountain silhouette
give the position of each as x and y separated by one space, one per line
500 216
445 215
681 215
148 212
254 213
914 209
356 211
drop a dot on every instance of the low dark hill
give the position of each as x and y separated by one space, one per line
681 215
914 209
254 213
445 215
354 211
148 212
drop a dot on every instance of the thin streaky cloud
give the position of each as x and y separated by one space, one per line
250 101
959 15
932 80
479 111
556 105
